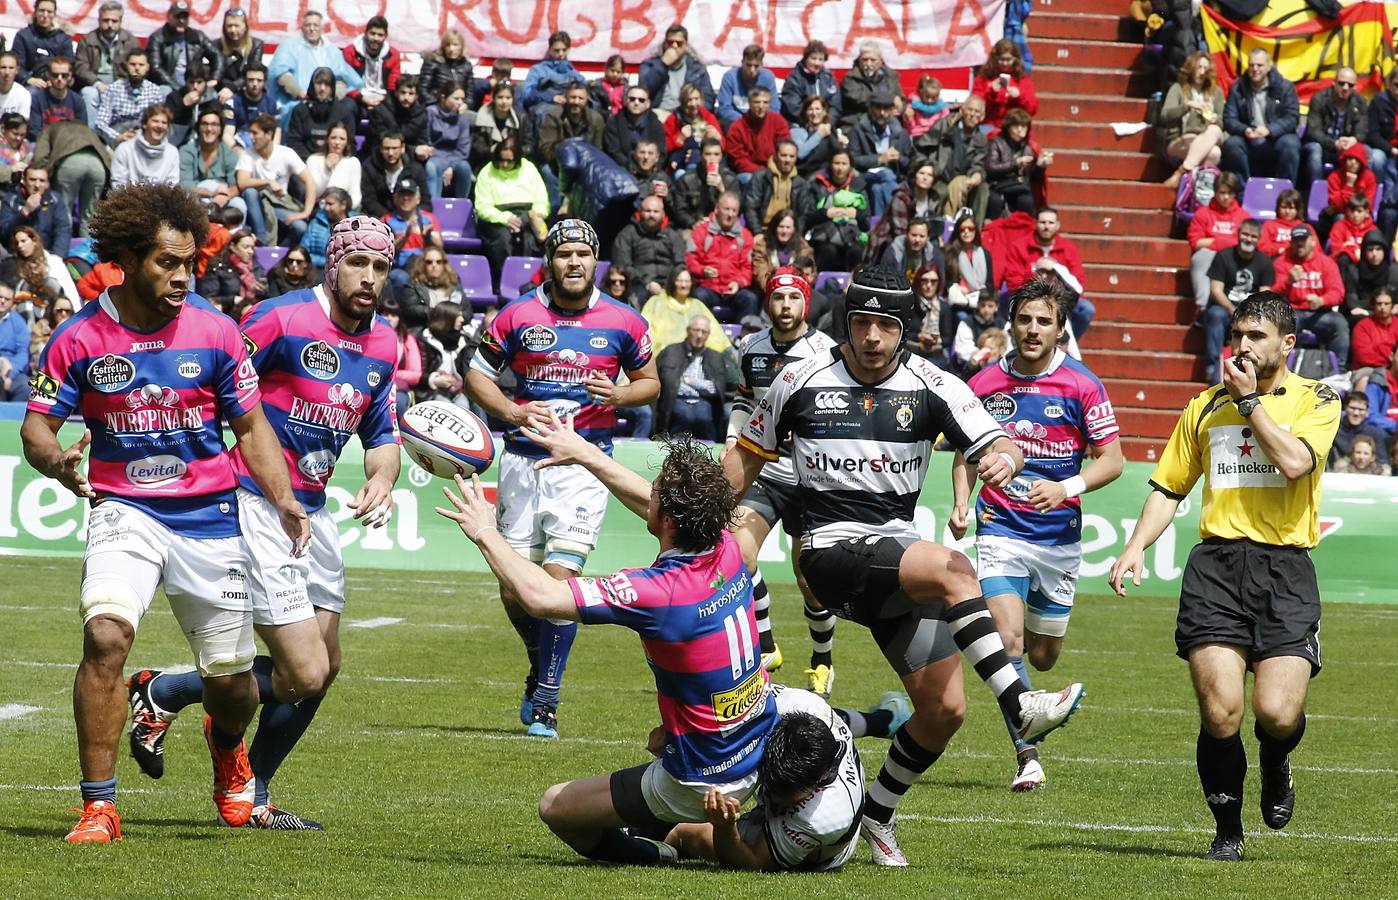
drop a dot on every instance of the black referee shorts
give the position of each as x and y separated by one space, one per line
775 501
1256 596
857 580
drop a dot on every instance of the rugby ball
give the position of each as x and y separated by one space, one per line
446 439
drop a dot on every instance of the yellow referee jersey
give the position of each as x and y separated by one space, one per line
1245 495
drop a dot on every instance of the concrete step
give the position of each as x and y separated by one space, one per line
1140 449
1094 82
1058 136
1106 220
1093 54
1149 423
1053 7
1151 394
1129 250
1079 108
1144 337
1135 365
1111 165
1123 194
1089 25
1171 310
1140 279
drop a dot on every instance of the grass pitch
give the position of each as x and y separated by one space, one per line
419 768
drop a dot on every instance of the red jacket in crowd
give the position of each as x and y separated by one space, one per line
1213 221
1276 235
1372 342
752 142
392 67
730 252
1338 191
1019 261
674 137
1346 238
1320 276
998 100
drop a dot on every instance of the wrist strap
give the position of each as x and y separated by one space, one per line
1253 396
477 536
1075 486
1008 458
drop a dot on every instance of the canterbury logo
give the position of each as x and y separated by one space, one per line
832 400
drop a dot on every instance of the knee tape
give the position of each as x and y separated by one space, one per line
225 647
568 554
108 595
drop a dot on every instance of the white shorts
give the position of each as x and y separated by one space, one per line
285 589
549 515
1044 577
129 554
672 800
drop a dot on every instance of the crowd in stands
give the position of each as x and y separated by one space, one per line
816 170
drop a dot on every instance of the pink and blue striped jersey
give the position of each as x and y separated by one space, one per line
155 403
694 614
552 352
1052 417
320 384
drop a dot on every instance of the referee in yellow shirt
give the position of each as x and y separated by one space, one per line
1249 598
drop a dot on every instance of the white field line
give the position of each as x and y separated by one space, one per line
1176 711
15 710
1139 829
1181 763
379 622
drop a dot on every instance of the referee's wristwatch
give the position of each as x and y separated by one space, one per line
1248 404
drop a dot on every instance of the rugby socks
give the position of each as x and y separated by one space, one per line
222 739
1020 743
821 624
1223 764
98 790
1274 751
762 609
973 629
873 723
555 643
279 728
907 760
617 846
173 691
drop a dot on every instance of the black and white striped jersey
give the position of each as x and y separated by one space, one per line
763 358
821 832
860 451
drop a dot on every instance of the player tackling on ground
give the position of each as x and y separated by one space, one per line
772 498
326 365
1249 598
567 345
1028 533
862 419
693 611
155 370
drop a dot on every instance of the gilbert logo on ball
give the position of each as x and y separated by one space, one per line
446 439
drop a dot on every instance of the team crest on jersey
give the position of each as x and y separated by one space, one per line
597 342
1001 406
320 360
868 403
537 337
188 367
111 374
374 378
904 417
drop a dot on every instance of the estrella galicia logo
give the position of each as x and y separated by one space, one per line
320 360
537 337
111 374
1001 406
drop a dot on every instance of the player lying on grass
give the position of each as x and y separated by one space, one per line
692 608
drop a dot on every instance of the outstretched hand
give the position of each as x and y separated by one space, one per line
470 510
565 446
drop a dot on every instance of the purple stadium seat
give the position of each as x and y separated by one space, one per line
1260 196
841 279
517 270
734 330
457 219
603 266
269 256
474 272
1315 204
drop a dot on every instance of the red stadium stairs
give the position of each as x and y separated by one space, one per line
1089 71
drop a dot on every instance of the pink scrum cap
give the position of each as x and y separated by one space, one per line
355 234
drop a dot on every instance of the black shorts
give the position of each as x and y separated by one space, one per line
858 580
773 500
1256 596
